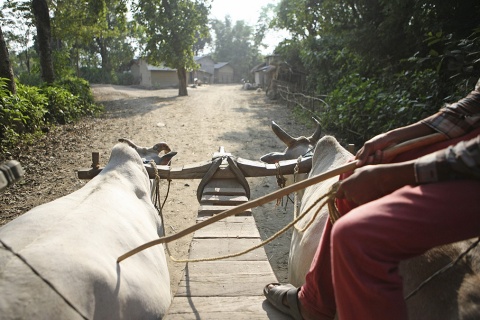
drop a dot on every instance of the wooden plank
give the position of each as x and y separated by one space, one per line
225 191
228 267
223 183
224 187
209 210
223 200
238 227
237 278
220 308
207 248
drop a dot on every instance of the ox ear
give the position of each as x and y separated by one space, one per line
313 139
282 135
165 160
162 146
273 157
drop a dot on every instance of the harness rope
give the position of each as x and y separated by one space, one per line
442 270
281 182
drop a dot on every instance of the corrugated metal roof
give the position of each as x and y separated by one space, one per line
220 65
161 68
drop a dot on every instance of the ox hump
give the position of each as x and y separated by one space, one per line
329 151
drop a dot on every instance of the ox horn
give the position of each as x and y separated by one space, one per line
130 143
162 146
282 135
313 139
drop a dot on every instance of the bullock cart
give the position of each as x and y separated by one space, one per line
230 287
235 291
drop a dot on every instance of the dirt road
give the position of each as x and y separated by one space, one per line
195 126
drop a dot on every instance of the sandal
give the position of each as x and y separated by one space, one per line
275 297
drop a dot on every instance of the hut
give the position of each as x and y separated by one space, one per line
223 72
206 71
151 76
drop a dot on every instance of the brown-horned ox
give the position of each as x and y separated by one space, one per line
296 147
73 244
454 294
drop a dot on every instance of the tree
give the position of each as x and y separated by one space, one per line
172 27
18 32
44 38
236 44
6 70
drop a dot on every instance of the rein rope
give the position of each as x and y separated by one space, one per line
328 198
442 270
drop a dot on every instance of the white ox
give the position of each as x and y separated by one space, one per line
74 242
453 295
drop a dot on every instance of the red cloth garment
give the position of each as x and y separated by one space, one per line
355 269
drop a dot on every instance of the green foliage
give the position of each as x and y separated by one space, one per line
29 79
360 108
20 113
172 29
78 87
31 109
63 107
124 78
234 43
382 64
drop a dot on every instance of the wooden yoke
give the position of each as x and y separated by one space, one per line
223 186
249 168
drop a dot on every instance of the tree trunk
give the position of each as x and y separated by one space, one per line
6 70
44 37
182 81
106 68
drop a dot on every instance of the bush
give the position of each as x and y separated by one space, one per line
78 87
20 113
125 78
360 108
33 108
63 107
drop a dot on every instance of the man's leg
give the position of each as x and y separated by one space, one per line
370 241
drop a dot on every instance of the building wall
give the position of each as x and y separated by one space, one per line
260 79
206 64
145 77
164 79
224 74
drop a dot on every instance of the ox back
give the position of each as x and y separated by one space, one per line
328 154
73 243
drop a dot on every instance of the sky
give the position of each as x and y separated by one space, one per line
249 11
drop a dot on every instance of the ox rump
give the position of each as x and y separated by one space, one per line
58 261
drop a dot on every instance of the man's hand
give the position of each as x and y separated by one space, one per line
375 181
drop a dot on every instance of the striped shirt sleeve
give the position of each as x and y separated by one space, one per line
459 118
460 161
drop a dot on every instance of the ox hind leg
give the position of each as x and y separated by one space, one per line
469 292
